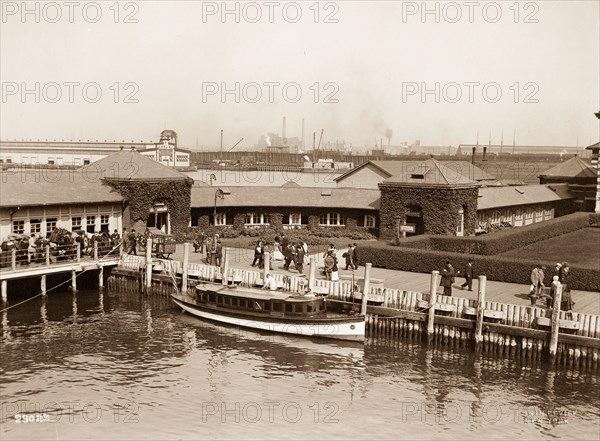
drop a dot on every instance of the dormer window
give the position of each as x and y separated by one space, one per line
417 176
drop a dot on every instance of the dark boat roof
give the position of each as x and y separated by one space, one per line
254 293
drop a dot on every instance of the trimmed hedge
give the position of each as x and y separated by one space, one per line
503 269
505 240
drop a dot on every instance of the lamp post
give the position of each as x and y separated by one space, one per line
218 194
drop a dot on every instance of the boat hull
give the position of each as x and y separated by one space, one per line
350 329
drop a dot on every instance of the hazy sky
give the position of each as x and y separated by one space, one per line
529 67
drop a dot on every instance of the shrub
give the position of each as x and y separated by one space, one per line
503 269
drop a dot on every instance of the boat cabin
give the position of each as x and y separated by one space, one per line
275 304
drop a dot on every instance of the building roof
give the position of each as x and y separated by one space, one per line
496 197
434 173
131 165
573 168
301 197
43 187
395 168
593 146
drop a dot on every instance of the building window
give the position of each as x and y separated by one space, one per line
86 162
75 223
104 222
331 219
50 161
221 219
182 158
50 225
35 226
8 161
295 219
90 224
460 228
18 227
369 221
256 219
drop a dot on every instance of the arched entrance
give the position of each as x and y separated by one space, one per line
158 217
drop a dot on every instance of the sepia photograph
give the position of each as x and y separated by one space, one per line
299 220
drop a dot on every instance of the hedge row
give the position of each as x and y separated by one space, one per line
506 240
503 269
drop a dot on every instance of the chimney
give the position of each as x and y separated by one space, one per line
484 152
473 155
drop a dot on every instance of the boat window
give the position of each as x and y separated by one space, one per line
288 307
310 308
235 302
219 300
211 298
227 301
277 307
259 306
242 303
298 308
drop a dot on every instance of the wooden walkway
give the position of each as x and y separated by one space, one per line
510 293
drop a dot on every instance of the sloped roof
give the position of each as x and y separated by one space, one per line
367 199
593 146
131 165
496 197
573 168
53 187
432 173
395 168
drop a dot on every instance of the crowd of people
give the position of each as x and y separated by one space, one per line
560 278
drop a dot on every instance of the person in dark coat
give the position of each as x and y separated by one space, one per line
299 258
258 254
218 253
447 280
566 303
349 255
468 275
132 238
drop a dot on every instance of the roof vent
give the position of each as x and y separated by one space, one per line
417 176
519 190
326 192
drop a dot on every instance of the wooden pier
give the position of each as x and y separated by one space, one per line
563 338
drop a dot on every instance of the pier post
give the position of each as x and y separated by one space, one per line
184 271
432 302
366 289
266 263
148 263
4 291
224 275
101 277
74 281
43 285
95 250
122 247
554 321
480 309
312 273
47 255
13 259
78 252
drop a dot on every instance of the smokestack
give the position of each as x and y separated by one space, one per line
473 155
283 131
484 152
302 133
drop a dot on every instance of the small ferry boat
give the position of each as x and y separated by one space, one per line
276 311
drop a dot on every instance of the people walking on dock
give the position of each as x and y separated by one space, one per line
564 274
448 274
132 238
468 275
299 257
349 255
537 283
115 238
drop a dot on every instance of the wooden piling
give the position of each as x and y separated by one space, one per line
480 309
101 277
431 305
266 262
148 263
47 255
224 276
4 290
43 285
13 259
554 321
367 287
312 273
96 250
185 269
78 252
74 281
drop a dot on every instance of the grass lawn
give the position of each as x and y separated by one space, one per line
577 248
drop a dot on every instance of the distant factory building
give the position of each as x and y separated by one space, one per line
81 153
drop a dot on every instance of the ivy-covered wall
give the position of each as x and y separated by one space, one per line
141 196
439 206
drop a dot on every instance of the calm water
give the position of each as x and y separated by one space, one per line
123 366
